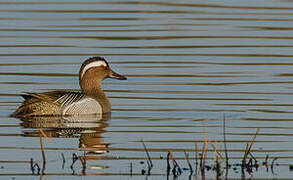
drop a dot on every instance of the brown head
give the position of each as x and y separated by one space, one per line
93 71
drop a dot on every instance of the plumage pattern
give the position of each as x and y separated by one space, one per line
57 103
68 98
79 105
92 99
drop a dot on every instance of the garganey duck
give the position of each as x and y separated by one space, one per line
91 99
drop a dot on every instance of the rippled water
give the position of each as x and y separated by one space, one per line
188 64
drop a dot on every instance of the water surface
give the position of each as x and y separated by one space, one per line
188 64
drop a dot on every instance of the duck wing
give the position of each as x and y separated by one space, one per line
58 102
69 98
49 97
38 104
76 103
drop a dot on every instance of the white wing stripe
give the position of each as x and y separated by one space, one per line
69 98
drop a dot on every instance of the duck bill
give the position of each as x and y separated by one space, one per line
115 75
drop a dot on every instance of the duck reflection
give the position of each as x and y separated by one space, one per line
88 129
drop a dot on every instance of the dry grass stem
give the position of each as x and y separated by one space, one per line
253 140
83 163
225 144
45 136
203 158
204 150
130 168
266 163
196 157
171 156
74 159
218 167
176 166
147 153
252 156
245 154
38 167
188 162
248 147
32 164
168 164
42 147
272 165
214 148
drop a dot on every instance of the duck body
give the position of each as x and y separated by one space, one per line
62 103
91 99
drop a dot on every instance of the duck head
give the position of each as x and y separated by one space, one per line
93 71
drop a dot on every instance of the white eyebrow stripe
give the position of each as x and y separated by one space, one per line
93 64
